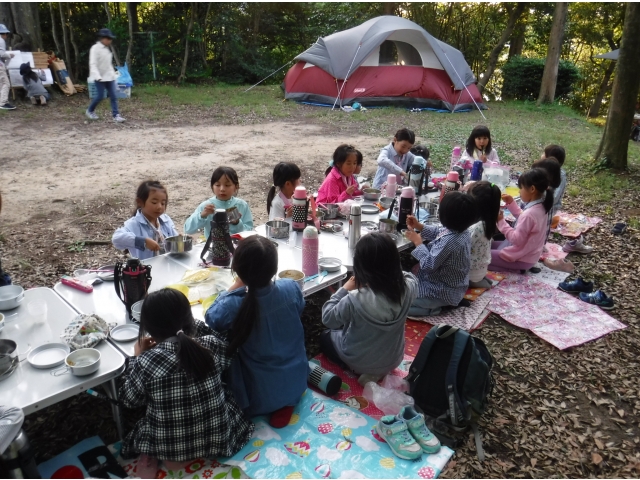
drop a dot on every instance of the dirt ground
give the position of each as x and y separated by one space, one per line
67 184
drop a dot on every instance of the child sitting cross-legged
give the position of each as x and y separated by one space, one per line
176 374
443 274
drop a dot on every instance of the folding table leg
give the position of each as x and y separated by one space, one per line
111 390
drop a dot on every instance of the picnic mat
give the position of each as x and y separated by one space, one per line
414 333
351 392
546 275
573 225
554 251
327 439
555 316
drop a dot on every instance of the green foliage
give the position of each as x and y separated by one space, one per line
523 76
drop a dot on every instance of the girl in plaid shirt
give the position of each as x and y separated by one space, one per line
177 374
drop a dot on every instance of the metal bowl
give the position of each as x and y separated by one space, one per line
385 202
11 296
136 309
295 275
277 229
372 194
84 361
233 214
387 225
178 244
330 210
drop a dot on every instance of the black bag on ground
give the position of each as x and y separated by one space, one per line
450 379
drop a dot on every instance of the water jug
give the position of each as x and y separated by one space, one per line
300 209
310 251
451 184
392 185
219 247
355 219
407 199
323 380
131 281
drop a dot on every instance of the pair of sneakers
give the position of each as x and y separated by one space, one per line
94 116
407 434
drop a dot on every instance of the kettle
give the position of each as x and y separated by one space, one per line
131 281
219 247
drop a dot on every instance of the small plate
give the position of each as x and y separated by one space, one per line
48 355
370 210
371 226
125 333
107 276
329 264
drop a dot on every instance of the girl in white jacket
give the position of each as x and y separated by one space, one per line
102 72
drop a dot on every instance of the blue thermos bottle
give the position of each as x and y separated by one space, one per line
476 171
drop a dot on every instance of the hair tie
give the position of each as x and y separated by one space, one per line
493 185
179 332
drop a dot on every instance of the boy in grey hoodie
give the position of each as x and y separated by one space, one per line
367 315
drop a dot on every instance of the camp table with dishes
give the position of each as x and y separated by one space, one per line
32 389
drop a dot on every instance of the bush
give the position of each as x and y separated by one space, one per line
523 77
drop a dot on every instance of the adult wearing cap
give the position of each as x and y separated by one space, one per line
103 74
4 77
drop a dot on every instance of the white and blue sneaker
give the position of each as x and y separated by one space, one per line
395 432
418 430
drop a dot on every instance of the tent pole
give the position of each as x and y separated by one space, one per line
268 76
465 87
345 78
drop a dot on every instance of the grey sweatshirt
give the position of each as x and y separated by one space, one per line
35 88
372 336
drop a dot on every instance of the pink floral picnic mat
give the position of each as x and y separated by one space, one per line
555 316
573 225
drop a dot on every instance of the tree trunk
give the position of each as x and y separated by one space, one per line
127 59
389 8
604 86
76 51
6 17
65 37
114 50
203 48
54 32
516 45
183 71
550 74
514 16
25 21
615 138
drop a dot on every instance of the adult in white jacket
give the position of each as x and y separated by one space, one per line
103 74
5 85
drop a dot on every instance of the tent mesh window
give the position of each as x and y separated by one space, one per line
394 52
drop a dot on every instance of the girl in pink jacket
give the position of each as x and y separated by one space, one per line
340 184
525 240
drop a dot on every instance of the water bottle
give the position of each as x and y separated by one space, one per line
455 156
451 184
392 185
407 198
323 380
299 209
476 172
310 251
355 219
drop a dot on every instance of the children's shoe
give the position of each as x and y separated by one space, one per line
43 100
7 106
91 115
598 298
619 228
33 100
119 118
418 430
561 265
576 286
577 246
394 431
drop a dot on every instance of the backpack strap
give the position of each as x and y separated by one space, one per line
478 439
451 378
425 348
205 250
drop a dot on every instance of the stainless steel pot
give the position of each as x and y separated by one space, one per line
387 225
178 244
386 202
8 355
372 194
233 214
330 210
11 296
277 229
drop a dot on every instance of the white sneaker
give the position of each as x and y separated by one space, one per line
91 115
43 100
577 246
33 101
119 119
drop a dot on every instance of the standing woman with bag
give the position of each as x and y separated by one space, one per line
102 72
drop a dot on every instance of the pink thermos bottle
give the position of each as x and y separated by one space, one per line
299 209
452 183
310 251
392 185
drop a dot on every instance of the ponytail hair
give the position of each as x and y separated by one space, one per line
167 313
487 197
539 179
255 261
282 173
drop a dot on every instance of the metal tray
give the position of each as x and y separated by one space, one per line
330 264
125 333
48 355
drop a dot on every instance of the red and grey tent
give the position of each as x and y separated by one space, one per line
385 61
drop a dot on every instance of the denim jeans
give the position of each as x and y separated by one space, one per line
111 89
426 307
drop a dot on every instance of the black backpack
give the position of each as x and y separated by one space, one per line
450 379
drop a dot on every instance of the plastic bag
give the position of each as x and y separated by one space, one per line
394 382
125 77
388 400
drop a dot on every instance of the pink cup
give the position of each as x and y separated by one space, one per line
453 177
456 151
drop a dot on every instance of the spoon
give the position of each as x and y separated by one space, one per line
322 274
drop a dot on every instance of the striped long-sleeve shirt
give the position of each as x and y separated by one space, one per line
444 264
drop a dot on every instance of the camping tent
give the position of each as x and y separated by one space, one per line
612 55
385 61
